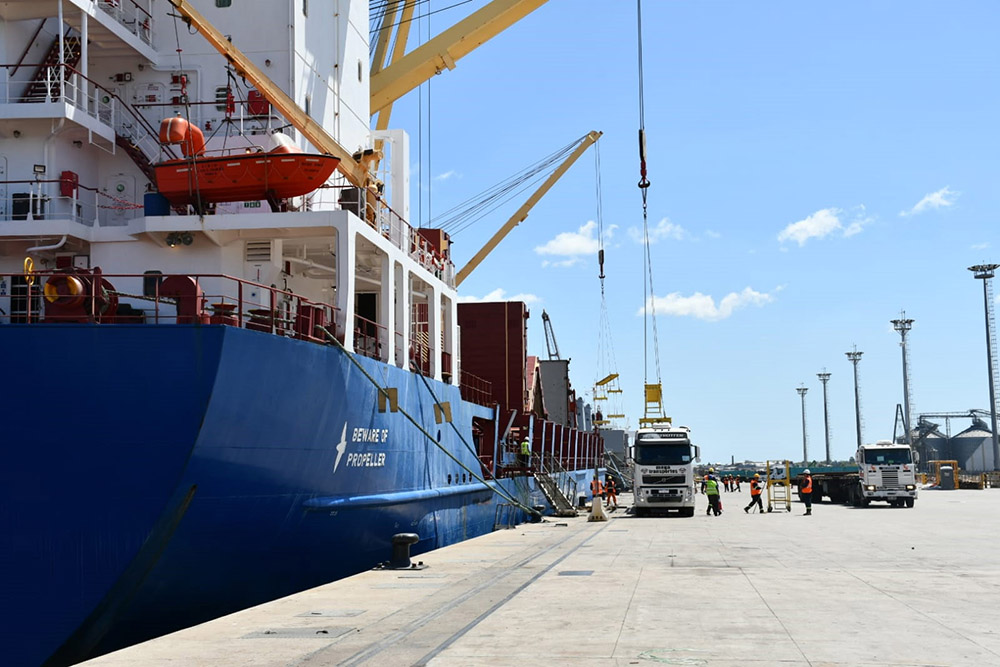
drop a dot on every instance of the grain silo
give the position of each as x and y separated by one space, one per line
973 448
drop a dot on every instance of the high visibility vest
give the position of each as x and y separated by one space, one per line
808 486
711 487
525 448
610 486
595 487
754 488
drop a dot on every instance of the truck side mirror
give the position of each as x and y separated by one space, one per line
697 454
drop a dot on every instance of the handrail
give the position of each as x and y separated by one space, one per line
27 48
285 314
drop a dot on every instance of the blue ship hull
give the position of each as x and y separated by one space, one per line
155 477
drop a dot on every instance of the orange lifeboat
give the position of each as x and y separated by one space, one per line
280 173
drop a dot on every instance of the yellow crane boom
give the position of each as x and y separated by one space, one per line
522 212
443 51
355 171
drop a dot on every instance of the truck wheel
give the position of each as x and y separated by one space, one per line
910 501
639 512
687 511
865 502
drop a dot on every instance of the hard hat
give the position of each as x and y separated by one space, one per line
756 476
806 472
711 470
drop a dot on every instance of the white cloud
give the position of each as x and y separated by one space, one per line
446 175
818 225
663 230
712 234
980 246
499 294
574 245
560 264
940 199
703 306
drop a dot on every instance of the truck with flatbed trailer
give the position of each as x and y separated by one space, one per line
886 472
662 460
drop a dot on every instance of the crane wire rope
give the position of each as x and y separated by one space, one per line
466 213
648 297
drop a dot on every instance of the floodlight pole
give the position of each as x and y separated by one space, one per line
824 377
985 272
805 453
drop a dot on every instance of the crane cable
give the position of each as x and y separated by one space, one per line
648 297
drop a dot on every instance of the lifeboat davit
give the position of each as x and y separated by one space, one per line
282 172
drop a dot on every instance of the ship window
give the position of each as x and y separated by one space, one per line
223 3
305 7
220 98
308 105
449 478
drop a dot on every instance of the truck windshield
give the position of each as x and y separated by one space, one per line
888 457
662 455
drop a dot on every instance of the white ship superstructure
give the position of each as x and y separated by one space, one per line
85 86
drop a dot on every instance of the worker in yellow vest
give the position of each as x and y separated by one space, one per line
526 453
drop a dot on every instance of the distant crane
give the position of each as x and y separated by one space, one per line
550 338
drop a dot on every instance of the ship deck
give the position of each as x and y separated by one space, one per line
846 586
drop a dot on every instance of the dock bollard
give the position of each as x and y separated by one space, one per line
401 550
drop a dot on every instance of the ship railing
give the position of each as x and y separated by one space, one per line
475 389
79 203
551 465
381 217
370 338
62 83
420 356
129 14
194 299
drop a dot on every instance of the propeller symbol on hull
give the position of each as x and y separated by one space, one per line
341 446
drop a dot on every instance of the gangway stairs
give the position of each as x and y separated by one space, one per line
617 465
556 497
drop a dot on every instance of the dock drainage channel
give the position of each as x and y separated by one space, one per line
576 573
299 633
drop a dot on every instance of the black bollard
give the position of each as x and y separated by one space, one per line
401 550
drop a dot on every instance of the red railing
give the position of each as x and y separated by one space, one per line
82 296
475 389
369 337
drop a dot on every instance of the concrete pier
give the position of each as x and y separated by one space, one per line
846 586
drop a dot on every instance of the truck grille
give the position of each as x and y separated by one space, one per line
663 479
664 499
890 479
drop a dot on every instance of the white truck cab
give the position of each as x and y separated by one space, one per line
887 473
663 460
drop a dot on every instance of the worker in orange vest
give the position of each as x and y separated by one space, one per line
596 488
611 491
755 495
806 491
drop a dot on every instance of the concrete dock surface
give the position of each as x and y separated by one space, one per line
845 586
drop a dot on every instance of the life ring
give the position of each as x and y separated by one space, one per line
29 270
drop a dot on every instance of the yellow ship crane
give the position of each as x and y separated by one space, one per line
405 71
353 168
442 52
522 213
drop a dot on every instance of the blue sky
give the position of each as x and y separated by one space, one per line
815 168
